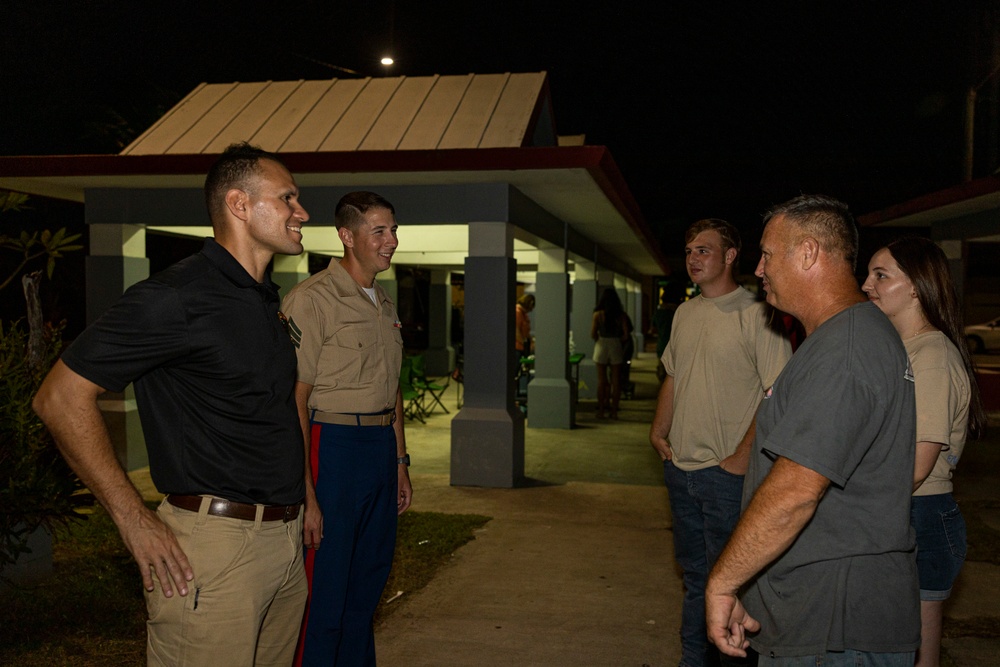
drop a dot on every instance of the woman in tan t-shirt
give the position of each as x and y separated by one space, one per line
909 281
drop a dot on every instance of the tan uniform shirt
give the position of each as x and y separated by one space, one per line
348 349
723 355
942 389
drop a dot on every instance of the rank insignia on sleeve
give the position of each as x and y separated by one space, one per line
294 332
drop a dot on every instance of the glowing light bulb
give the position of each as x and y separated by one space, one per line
387 61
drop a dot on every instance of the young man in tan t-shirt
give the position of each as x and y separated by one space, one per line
724 353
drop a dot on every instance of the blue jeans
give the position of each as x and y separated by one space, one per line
941 543
705 505
849 658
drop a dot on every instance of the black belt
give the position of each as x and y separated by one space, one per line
350 419
233 510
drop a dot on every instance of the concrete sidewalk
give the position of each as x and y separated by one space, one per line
574 569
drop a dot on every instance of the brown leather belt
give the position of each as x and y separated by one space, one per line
228 508
349 419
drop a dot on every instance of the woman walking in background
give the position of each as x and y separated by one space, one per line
609 328
909 281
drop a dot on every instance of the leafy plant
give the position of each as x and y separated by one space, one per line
30 247
37 487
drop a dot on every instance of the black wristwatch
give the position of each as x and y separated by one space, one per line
403 460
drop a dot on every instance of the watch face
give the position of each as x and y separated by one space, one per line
403 460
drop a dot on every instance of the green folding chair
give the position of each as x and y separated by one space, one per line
433 389
413 397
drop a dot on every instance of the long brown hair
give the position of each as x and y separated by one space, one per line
925 264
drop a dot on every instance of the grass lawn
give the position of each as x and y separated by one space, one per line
91 611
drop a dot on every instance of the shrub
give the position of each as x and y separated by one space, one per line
37 487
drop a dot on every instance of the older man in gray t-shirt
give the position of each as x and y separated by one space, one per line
824 552
856 428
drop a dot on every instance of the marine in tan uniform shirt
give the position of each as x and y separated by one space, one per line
350 348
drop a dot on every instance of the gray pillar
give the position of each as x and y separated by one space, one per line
289 271
551 397
117 261
440 355
487 434
621 286
584 300
635 312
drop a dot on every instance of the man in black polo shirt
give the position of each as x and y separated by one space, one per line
214 375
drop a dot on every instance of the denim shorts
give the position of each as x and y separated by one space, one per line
941 544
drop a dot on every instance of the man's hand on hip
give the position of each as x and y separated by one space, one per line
156 550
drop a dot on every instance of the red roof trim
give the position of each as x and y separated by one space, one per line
939 199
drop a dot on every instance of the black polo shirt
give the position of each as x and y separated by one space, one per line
214 374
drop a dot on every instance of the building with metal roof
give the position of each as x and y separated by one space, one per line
480 183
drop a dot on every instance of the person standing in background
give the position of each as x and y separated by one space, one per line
909 281
522 326
609 329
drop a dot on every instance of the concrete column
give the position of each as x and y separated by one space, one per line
440 355
551 399
621 286
605 279
584 300
289 271
487 434
634 311
117 261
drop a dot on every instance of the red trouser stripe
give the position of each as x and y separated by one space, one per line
310 553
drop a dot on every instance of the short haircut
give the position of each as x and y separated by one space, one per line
237 167
825 218
352 207
527 301
728 234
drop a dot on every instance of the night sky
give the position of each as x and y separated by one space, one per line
710 109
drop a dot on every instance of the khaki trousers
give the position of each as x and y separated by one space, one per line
245 605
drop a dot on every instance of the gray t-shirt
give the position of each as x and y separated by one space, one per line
842 407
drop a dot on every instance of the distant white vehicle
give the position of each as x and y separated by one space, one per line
984 336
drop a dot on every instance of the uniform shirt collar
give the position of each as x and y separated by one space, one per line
347 286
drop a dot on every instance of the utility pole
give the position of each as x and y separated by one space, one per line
970 121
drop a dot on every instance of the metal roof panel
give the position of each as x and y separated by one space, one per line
361 115
399 114
474 112
508 126
436 113
159 138
324 116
